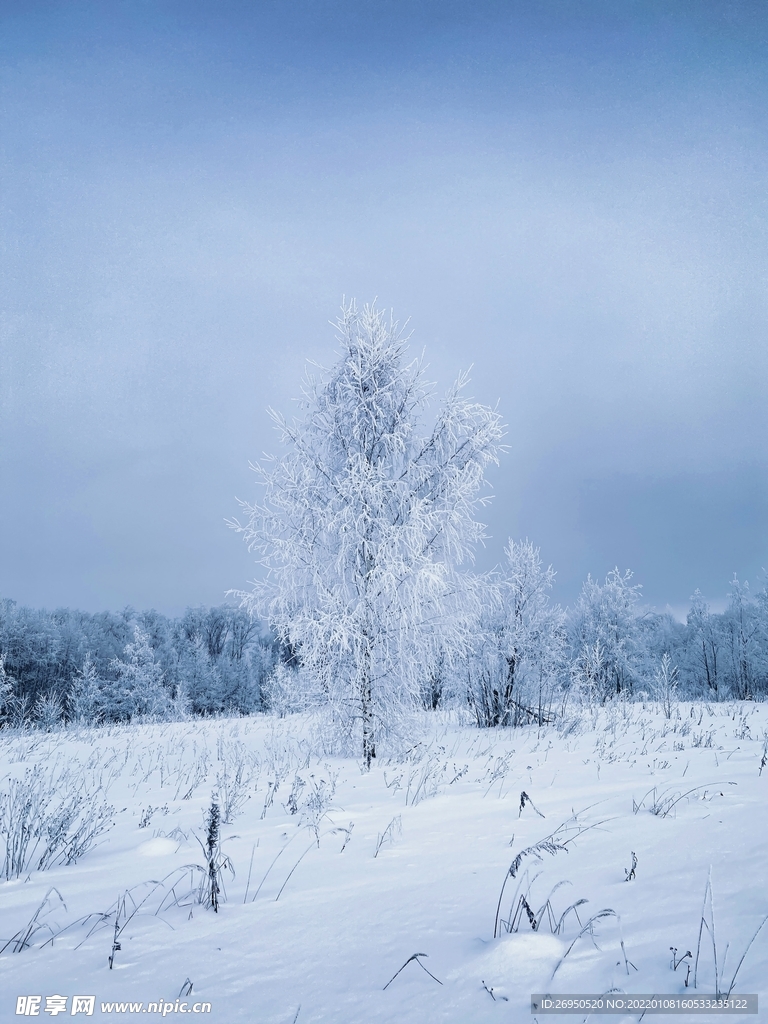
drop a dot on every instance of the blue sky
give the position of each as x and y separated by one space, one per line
568 196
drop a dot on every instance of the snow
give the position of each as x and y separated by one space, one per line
157 847
411 859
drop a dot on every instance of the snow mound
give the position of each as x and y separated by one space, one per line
157 847
515 963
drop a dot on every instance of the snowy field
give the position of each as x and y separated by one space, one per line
341 876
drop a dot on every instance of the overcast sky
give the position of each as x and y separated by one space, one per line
570 196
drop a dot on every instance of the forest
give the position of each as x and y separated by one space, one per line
527 659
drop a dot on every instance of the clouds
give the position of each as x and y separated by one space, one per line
571 199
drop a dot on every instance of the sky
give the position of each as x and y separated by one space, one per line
567 196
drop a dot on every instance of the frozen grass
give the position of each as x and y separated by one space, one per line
501 855
50 817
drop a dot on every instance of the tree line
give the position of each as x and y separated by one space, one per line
526 660
531 658
73 665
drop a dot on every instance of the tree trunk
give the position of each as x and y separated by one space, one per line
366 705
511 709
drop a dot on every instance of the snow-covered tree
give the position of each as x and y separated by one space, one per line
6 692
180 707
84 698
138 691
200 677
219 660
286 691
435 678
705 641
48 711
665 684
604 636
742 635
366 521
522 642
